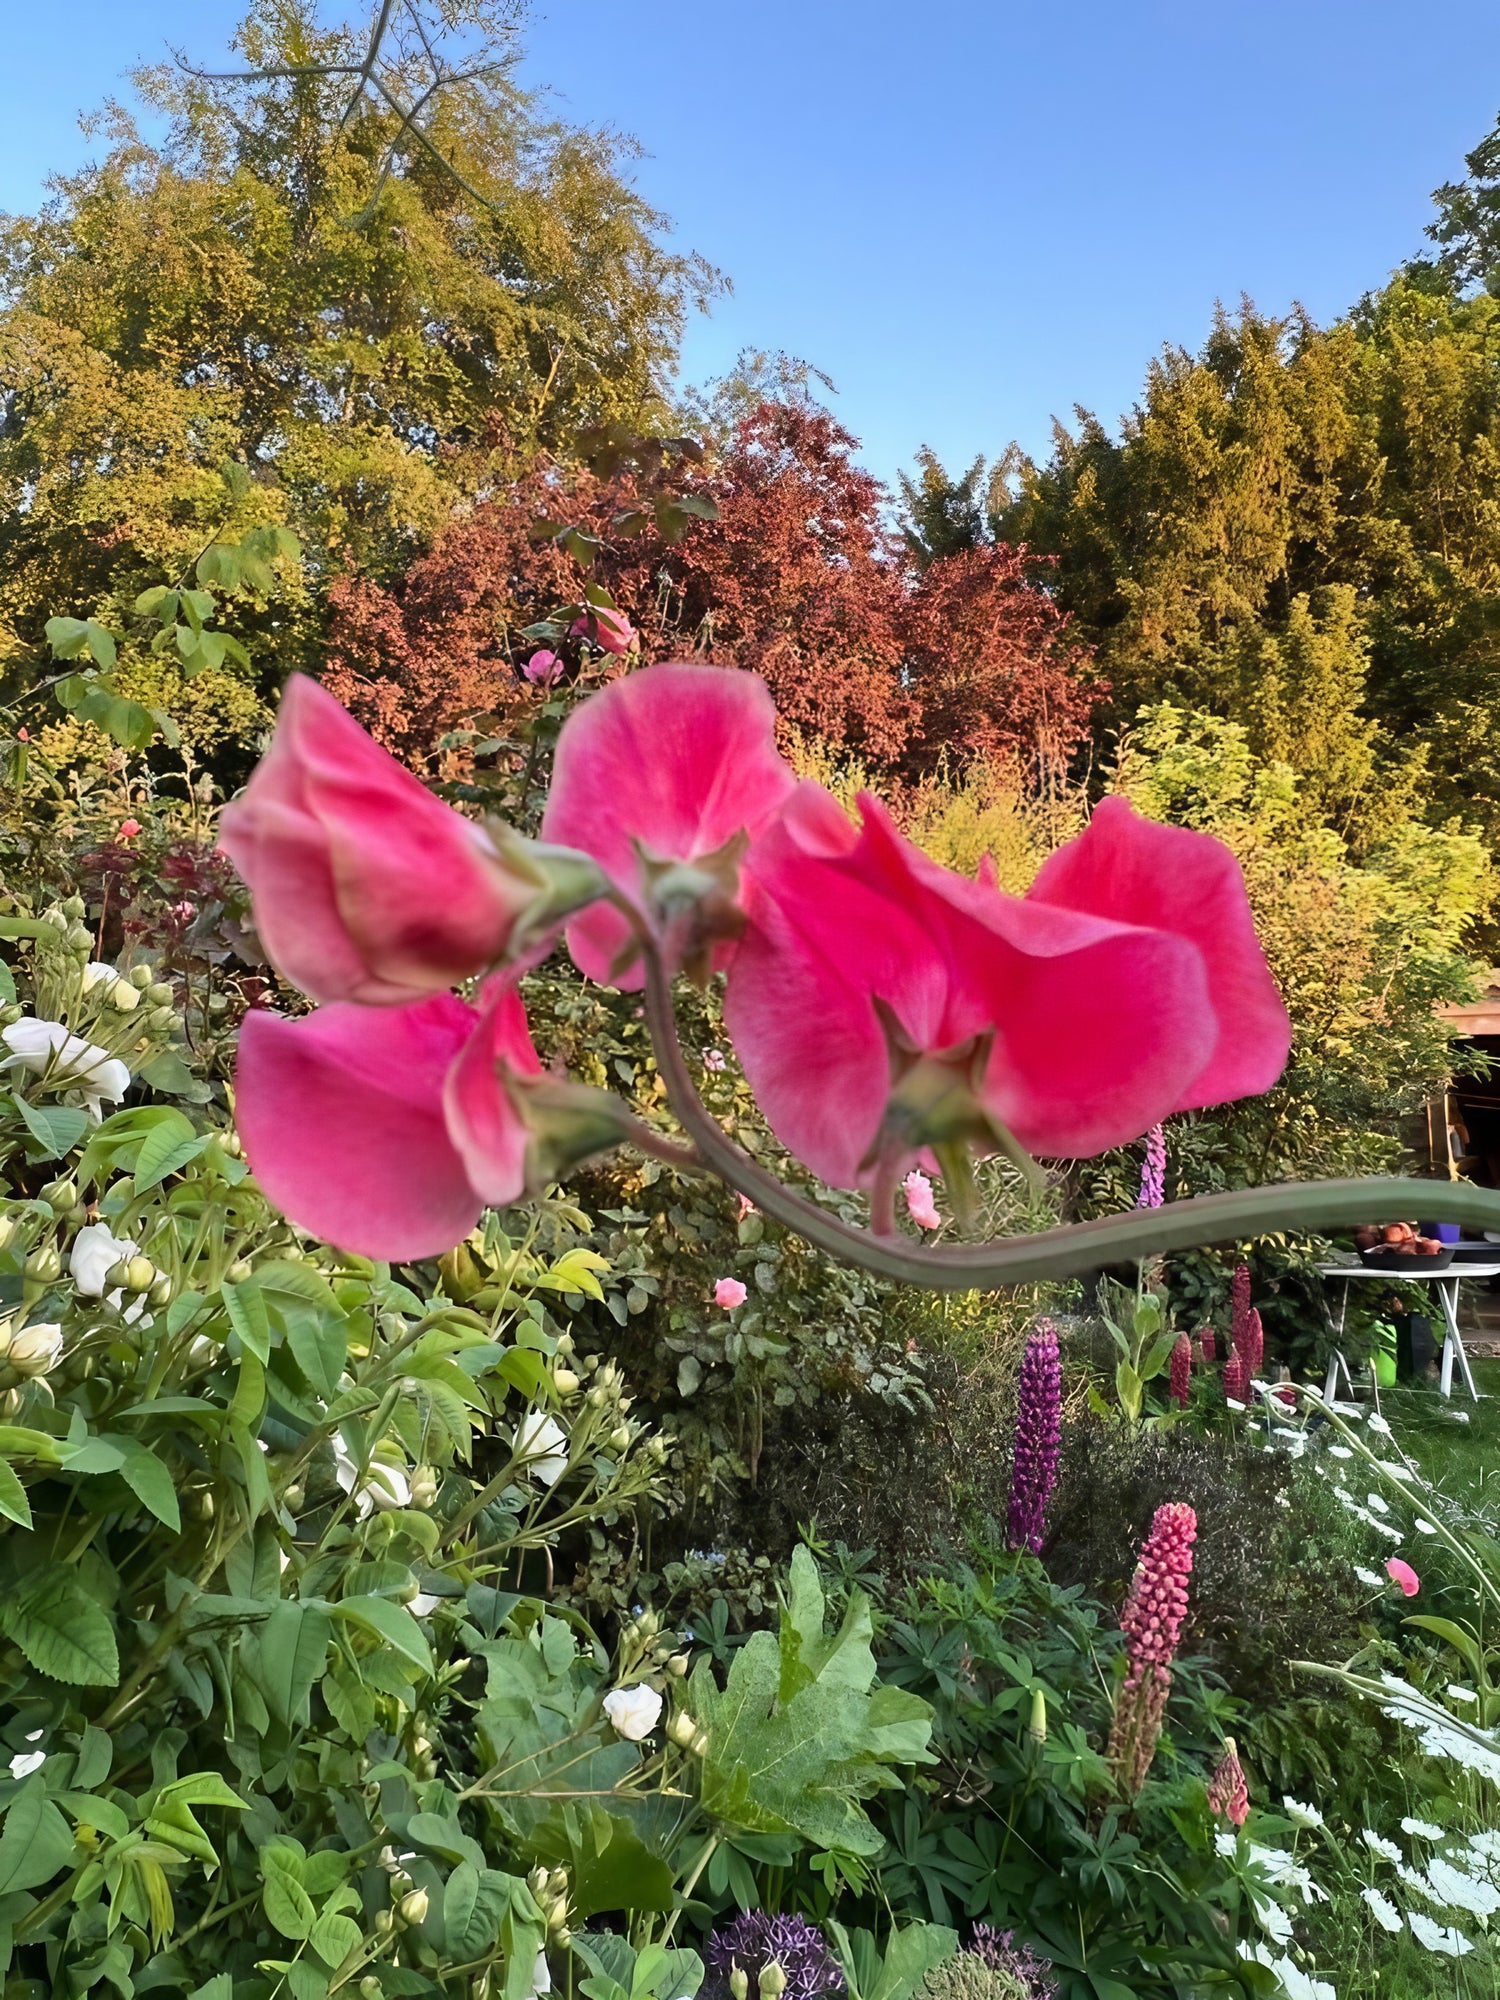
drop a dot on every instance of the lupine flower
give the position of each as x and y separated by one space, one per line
1038 1438
1254 1350
1208 1345
1154 1170
919 1202
755 1939
1236 1378
1001 1953
1228 1794
1152 1624
1072 1018
387 1130
1239 1303
729 1293
608 628
1403 1573
542 668
1180 1372
673 764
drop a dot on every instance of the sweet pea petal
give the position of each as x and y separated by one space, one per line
678 758
1168 878
342 1119
483 1123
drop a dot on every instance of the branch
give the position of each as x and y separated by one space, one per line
1314 1206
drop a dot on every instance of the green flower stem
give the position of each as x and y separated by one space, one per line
1313 1206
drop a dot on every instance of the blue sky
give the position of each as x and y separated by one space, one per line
970 213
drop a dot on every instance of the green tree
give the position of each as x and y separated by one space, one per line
369 314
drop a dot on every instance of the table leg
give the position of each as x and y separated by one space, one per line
1331 1380
1453 1346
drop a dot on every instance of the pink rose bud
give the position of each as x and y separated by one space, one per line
128 829
729 1293
366 887
1403 1573
610 629
543 668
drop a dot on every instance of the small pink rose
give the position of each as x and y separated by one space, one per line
610 629
23 735
919 1202
129 828
1403 1573
729 1293
543 668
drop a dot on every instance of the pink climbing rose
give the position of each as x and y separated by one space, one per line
1403 1574
729 1293
1127 985
542 668
128 829
920 1205
664 777
387 1129
606 627
366 887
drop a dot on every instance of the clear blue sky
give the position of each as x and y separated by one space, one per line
970 213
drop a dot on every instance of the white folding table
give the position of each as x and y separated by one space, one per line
1447 1283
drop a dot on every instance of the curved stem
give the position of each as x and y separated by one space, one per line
1070 1251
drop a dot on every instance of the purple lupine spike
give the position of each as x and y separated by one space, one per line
1239 1305
1038 1438
1208 1345
1180 1375
1154 1170
1152 1625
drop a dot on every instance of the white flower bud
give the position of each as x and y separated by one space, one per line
413 1906
36 1350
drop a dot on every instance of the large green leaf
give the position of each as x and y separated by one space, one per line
391 1622
293 1647
63 1631
796 1738
36 1841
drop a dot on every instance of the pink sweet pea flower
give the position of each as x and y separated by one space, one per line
673 763
729 1293
1071 1016
366 887
1403 1573
607 628
920 1205
387 1130
543 667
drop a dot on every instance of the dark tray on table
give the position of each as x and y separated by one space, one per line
1389 1259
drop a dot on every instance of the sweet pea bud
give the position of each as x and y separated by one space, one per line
370 1988
424 1486
161 1018
44 1264
568 1123
564 1381
160 1293
678 1665
413 1906
114 1277
385 1922
74 907
772 1981
294 1496
461 1276
1036 1729
140 1274
159 993
80 939
682 1729
739 1984
139 977
60 1195
536 1881
123 997
619 1438
238 1271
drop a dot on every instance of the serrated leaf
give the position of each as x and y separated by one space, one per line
13 1502
391 1622
62 1630
149 1479
170 1144
36 1841
293 1647
246 1307
57 1128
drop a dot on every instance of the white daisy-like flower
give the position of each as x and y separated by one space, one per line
1437 1937
1382 1909
1378 1423
1300 1814
1378 1844
1299 1985
1423 1829
1273 1920
1369 1576
1461 1891
1378 1502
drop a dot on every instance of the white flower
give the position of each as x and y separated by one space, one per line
1225 1844
1299 1814
424 1604
1298 1985
1354 1410
1369 1576
1286 1873
543 1444
1231 1404
1402 1473
1387 1849
98 973
1486 1844
1378 1423
1383 1909
1380 1505
1426 1527
1455 1692
1441 1734
22 1765
1342 1450
380 1485
541 1978
94 1251
1459 1416
48 1049
1273 1920
1424 1829
633 1711
1459 1891
36 1349
1437 1937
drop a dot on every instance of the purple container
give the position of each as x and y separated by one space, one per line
1444 1232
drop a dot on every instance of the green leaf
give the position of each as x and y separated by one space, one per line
390 1622
334 1936
62 1630
171 1817
13 1502
158 602
220 1987
168 1073
1462 1642
288 1905
293 1647
170 1144
7 985
475 1900
36 1842
444 1836
149 1479
247 1315
57 1128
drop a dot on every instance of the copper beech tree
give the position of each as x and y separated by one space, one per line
889 1014
797 578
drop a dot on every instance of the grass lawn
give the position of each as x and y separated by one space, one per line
1461 1458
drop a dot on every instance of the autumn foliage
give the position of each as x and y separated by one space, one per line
798 578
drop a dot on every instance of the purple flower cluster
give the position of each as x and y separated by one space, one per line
755 1940
1001 1953
1154 1170
1038 1438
